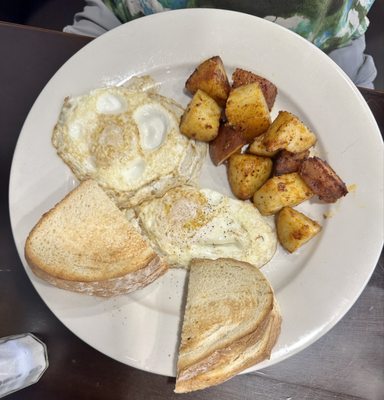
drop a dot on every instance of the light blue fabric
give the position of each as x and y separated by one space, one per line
358 66
94 20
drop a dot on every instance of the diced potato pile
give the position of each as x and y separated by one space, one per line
267 161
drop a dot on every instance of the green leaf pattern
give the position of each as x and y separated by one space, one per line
329 24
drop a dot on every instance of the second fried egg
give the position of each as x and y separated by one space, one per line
188 222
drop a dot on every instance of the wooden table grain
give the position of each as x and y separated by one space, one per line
346 363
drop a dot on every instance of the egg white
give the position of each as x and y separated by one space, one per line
188 223
127 138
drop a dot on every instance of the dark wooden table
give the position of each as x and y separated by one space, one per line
346 363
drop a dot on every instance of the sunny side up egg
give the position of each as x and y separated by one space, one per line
127 138
188 222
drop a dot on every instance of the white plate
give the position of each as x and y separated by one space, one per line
314 287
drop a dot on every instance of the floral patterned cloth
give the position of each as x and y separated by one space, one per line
329 24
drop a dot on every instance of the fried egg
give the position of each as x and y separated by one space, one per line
127 138
188 223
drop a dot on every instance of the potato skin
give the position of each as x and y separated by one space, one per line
287 162
201 119
242 77
247 173
281 191
228 141
247 109
294 228
210 76
322 179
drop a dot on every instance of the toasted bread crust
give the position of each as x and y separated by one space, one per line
228 355
188 348
223 364
109 287
86 244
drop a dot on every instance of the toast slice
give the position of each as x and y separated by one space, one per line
86 244
231 322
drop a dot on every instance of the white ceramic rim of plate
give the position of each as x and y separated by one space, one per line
335 86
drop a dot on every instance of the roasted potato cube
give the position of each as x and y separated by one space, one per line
247 173
257 147
247 109
281 191
241 77
210 76
289 133
227 142
287 162
322 179
294 228
201 118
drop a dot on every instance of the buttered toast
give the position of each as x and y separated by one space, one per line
231 322
86 244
